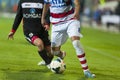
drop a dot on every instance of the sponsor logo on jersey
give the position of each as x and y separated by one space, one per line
58 3
32 15
32 5
32 10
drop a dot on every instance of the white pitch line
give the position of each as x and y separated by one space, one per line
103 53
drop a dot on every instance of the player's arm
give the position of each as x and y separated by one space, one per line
47 21
17 21
77 9
44 14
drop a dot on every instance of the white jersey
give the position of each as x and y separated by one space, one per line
60 10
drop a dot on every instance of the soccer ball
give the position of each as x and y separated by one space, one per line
58 66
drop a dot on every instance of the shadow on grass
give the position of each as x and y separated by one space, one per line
37 74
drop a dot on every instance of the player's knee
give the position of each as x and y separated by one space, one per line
40 46
78 46
37 42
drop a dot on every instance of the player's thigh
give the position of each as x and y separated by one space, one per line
58 38
74 28
33 38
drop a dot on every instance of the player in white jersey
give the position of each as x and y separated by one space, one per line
65 23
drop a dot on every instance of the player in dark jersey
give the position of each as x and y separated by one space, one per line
30 11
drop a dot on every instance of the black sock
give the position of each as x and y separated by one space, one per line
45 57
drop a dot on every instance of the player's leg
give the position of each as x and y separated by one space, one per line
57 52
57 39
47 47
74 34
49 51
41 50
81 56
35 40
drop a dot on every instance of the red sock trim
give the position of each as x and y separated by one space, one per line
83 62
13 30
80 56
85 68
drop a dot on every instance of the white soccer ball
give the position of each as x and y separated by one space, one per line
58 66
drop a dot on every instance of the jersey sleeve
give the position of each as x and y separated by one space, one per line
18 17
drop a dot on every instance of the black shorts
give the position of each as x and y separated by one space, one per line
44 36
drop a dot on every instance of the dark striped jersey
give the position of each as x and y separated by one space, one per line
30 11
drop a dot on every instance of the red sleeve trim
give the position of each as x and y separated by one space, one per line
13 30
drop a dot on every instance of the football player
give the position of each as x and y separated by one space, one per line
30 11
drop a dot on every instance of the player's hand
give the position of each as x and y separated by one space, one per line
76 16
10 35
47 27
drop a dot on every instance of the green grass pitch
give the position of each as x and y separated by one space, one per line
18 58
